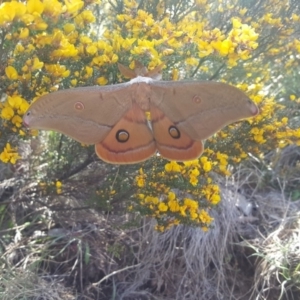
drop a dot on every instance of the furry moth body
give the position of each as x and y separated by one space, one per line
183 114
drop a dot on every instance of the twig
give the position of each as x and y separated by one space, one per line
114 273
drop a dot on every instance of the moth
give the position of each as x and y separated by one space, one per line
129 122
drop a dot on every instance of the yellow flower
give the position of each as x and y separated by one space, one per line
194 172
193 215
9 155
37 64
52 8
192 61
284 121
88 16
193 180
141 196
191 204
23 107
7 13
160 228
88 72
11 73
207 166
24 33
225 47
69 28
58 184
174 205
74 82
222 158
172 166
171 196
73 6
15 101
215 199
140 181
7 113
91 49
17 121
162 207
175 74
204 217
22 133
191 163
102 80
292 97
151 200
35 7
4 157
19 8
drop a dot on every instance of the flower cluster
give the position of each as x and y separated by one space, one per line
181 193
238 44
12 110
49 187
173 211
9 154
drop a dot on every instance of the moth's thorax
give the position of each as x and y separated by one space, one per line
141 93
140 79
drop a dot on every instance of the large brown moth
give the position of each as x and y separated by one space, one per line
116 117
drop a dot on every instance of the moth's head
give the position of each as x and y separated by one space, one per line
32 117
27 118
252 107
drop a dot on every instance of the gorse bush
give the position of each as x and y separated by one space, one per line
50 45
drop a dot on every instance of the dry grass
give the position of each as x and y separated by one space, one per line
20 284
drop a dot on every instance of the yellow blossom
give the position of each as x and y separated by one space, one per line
91 49
193 215
204 217
69 28
215 199
162 207
102 80
191 204
7 13
173 206
23 107
207 166
190 163
88 16
37 64
151 200
7 113
73 6
11 73
140 180
17 121
24 33
9 155
58 184
175 74
172 166
171 196
35 7
195 172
